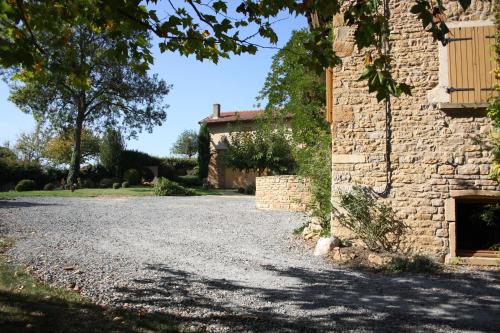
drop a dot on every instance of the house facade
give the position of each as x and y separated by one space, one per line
426 155
220 125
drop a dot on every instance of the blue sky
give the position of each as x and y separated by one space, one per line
233 83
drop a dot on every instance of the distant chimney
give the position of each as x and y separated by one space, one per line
216 111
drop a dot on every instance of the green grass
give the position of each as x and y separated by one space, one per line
27 305
96 192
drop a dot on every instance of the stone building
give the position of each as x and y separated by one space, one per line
427 154
220 124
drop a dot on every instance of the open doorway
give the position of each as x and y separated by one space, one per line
478 227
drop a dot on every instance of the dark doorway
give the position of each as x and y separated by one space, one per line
478 227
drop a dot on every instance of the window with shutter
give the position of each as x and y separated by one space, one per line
471 63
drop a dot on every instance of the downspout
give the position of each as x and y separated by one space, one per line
388 120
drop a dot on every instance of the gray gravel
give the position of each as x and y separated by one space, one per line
219 264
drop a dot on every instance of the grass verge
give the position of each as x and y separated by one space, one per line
26 305
96 192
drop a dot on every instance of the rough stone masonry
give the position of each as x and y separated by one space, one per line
436 156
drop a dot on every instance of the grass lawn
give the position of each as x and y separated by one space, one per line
96 192
26 305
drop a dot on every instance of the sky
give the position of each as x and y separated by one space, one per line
233 83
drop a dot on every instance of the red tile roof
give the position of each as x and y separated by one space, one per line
228 117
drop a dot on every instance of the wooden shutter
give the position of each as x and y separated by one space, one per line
329 94
471 62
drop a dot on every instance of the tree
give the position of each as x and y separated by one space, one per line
262 151
211 30
59 149
76 83
111 149
203 151
295 96
186 144
30 146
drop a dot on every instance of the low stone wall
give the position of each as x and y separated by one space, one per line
282 192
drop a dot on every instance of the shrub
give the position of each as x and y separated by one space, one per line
132 176
166 187
194 171
241 190
147 174
250 189
174 167
125 184
190 181
87 183
374 223
117 185
418 264
106 183
49 187
25 185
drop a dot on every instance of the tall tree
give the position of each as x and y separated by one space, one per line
186 144
59 149
295 96
110 152
77 83
203 151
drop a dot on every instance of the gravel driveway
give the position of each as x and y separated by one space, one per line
221 264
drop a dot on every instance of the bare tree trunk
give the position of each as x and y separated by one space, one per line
76 156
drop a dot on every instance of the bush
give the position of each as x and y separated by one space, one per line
172 168
132 176
418 264
250 189
106 183
25 185
190 181
49 187
87 183
117 185
166 187
147 174
125 184
374 223
241 190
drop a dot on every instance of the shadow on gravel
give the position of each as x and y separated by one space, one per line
329 300
13 203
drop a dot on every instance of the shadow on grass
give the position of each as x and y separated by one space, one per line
329 300
24 313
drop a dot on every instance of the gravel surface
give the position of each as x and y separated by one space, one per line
219 264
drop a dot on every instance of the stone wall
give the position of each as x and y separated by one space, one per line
282 192
433 152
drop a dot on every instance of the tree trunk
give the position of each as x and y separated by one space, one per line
74 167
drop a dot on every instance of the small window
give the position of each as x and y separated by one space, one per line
471 64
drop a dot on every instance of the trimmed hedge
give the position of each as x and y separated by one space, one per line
190 181
25 185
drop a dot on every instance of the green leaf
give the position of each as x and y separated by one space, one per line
464 3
